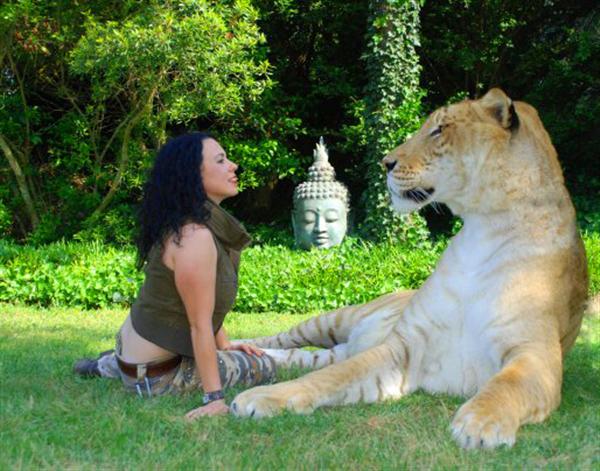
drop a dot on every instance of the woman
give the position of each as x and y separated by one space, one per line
173 339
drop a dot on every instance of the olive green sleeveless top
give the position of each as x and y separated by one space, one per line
158 314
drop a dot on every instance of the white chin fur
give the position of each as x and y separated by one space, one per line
403 205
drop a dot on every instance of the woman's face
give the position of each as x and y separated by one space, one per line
218 172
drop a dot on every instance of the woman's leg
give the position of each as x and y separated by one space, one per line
108 367
104 366
235 367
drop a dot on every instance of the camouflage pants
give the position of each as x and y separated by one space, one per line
235 367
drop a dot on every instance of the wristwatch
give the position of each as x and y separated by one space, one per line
212 396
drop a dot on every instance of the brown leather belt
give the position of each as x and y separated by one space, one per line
152 369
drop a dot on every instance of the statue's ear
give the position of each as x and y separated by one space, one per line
501 108
294 220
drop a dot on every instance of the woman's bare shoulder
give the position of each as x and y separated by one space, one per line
194 230
195 242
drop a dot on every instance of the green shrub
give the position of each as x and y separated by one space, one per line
592 249
5 219
276 278
273 277
276 233
68 274
587 204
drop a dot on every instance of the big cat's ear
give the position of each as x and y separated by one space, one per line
501 108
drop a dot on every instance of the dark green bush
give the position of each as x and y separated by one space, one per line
68 274
276 278
592 248
272 278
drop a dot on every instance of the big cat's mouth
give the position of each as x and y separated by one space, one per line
418 194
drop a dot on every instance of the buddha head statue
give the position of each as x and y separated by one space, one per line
320 214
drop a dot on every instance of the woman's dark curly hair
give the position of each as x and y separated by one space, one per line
173 195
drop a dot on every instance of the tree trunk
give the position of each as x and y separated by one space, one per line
392 109
21 182
131 121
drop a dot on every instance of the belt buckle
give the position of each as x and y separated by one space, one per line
142 381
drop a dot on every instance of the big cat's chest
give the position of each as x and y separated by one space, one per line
461 303
459 360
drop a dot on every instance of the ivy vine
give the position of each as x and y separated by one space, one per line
392 110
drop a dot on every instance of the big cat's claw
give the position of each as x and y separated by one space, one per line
475 427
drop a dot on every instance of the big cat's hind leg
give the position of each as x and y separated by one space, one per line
332 328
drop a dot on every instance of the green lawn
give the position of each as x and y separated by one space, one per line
51 419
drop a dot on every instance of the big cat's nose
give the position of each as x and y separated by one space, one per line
389 164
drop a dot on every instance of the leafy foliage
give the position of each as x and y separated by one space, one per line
544 52
273 278
200 58
314 47
87 95
392 110
592 249
278 279
90 275
89 91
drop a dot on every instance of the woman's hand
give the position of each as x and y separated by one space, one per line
243 347
223 343
211 409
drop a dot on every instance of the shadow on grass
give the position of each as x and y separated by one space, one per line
581 377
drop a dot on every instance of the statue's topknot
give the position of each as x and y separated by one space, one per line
321 183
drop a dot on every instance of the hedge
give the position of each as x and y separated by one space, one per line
273 278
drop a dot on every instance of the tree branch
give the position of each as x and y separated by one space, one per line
27 144
5 43
21 182
130 122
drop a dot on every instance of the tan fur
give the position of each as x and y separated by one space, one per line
503 306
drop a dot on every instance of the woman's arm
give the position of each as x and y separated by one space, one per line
194 262
221 339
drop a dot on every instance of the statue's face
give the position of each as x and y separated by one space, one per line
320 223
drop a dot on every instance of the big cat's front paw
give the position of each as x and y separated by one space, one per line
479 425
267 401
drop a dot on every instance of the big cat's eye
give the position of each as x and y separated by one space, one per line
436 132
